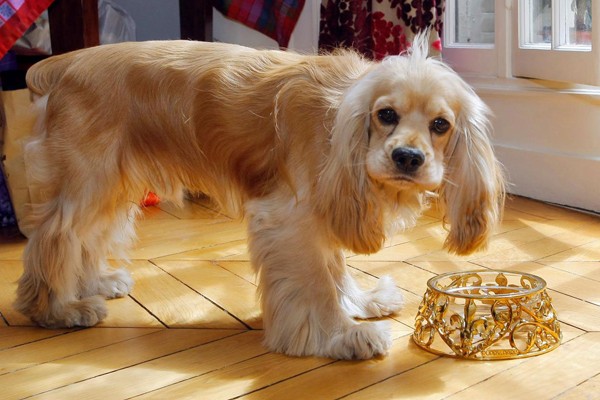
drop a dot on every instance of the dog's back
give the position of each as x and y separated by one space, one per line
159 112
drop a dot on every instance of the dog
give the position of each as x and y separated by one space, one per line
320 154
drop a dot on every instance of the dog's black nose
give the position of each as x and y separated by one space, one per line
408 159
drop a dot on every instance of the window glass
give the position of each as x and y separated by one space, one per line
576 20
474 22
537 23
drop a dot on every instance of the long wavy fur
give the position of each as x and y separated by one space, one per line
294 143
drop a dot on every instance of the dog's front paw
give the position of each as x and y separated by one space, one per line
385 299
116 283
362 341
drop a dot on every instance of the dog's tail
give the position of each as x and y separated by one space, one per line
42 76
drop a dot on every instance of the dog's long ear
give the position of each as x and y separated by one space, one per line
472 194
344 194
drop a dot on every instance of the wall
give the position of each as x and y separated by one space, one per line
154 19
548 139
159 19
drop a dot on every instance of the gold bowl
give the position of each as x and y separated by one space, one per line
487 315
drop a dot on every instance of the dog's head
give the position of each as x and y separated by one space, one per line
409 126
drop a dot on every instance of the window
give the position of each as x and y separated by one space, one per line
555 41
545 129
472 23
566 25
544 39
469 36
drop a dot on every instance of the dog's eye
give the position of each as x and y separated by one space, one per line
440 126
388 116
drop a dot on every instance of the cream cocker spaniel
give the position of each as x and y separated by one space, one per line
319 153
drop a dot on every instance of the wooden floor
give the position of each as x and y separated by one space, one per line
191 328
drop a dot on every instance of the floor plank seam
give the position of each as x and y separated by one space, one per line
4 318
147 310
36 340
53 360
248 327
388 378
289 378
125 367
552 289
201 374
207 248
220 262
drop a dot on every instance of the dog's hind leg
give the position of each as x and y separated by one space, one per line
65 278
100 278
48 290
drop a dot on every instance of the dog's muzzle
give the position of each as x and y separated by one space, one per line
408 159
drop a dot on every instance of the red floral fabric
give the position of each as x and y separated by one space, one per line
378 28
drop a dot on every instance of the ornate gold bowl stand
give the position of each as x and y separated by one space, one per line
487 315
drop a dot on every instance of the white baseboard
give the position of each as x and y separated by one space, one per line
556 178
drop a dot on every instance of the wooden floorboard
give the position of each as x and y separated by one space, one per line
192 328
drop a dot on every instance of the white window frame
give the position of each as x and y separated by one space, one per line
556 62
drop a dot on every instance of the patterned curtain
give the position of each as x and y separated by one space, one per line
274 18
378 28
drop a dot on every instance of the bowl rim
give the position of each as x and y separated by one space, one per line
522 292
